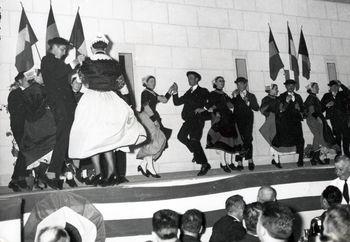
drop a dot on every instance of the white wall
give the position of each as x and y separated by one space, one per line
169 37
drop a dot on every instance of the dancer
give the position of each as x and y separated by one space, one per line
223 134
150 118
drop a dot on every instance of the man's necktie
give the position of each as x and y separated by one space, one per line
346 192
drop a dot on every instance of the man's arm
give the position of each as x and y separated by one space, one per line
253 103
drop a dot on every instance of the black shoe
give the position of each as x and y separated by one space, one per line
232 167
240 167
79 176
278 165
313 162
327 161
204 169
139 169
71 182
110 181
14 186
95 180
55 183
121 179
300 163
225 168
251 166
148 173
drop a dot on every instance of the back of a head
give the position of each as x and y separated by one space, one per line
165 224
337 223
53 234
251 215
235 205
332 195
192 221
267 194
277 219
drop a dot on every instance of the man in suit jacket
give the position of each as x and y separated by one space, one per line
61 100
194 114
251 215
244 104
191 225
289 131
342 170
229 228
337 105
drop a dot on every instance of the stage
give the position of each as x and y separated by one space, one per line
127 209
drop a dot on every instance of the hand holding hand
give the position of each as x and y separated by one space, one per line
199 110
289 98
297 107
235 93
330 104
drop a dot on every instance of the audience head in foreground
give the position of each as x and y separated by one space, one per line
165 225
53 234
331 196
234 206
251 215
192 223
336 224
275 222
267 194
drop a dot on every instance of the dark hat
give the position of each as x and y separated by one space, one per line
333 82
289 81
59 41
241 79
196 74
19 76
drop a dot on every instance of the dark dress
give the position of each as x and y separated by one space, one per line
339 115
223 134
15 106
191 130
269 107
227 229
62 103
317 123
289 130
245 120
39 130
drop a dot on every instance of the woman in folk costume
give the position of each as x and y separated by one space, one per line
158 134
323 137
103 121
223 134
269 107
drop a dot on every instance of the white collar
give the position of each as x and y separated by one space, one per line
100 56
193 88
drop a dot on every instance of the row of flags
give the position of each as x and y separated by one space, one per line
26 39
275 61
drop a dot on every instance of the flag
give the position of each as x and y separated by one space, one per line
306 65
51 29
77 36
293 58
275 60
26 38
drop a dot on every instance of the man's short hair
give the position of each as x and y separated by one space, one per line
251 215
332 195
340 158
267 194
337 222
277 219
192 221
234 203
19 76
165 223
53 234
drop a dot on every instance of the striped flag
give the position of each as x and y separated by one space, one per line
77 36
51 29
306 65
275 60
293 58
26 38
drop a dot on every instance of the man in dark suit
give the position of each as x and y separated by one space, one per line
15 106
244 104
191 225
229 228
251 215
289 131
61 100
337 106
194 113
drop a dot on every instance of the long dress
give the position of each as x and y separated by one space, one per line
269 107
103 121
223 134
158 136
39 129
323 136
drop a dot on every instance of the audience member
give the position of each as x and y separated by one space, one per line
165 225
229 228
191 225
336 224
267 194
251 215
53 234
275 223
342 169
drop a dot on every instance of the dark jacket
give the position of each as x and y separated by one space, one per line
227 229
341 107
250 238
242 111
191 101
16 108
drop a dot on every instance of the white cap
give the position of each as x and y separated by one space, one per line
100 37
